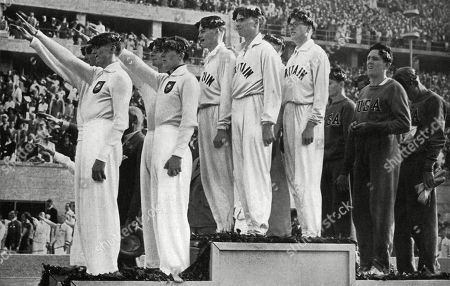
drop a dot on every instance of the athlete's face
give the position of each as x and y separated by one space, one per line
102 55
170 59
155 57
208 38
245 26
90 59
376 66
299 31
334 88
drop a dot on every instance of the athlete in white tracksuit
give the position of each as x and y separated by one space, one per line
305 96
101 120
214 122
76 255
171 163
256 91
149 97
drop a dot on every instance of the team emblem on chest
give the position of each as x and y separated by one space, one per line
333 119
169 86
366 105
415 116
98 86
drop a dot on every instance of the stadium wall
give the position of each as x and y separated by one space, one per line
27 182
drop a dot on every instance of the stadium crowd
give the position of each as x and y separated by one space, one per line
355 20
72 29
22 97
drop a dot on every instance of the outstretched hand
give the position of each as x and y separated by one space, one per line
24 33
27 26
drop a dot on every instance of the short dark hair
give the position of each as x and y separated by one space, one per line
50 201
177 44
302 16
210 22
338 74
248 12
274 39
406 76
385 52
107 38
157 44
86 50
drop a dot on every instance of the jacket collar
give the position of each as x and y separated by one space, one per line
214 52
177 71
112 67
256 41
306 46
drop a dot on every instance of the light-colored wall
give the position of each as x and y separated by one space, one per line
29 182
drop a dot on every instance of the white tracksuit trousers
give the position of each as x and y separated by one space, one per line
251 162
304 167
216 169
151 254
169 231
98 225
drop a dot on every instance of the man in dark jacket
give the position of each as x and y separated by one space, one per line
129 198
416 217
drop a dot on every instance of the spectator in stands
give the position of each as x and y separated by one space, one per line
51 210
4 130
64 30
10 104
445 244
2 232
17 94
45 26
41 238
54 27
4 24
63 233
32 20
25 245
57 104
8 149
14 230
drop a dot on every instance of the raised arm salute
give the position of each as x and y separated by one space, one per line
168 232
102 118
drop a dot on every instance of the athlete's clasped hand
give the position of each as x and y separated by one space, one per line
268 134
173 166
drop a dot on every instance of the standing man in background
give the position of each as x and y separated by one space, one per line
428 113
51 210
256 103
214 122
280 214
336 202
148 94
305 96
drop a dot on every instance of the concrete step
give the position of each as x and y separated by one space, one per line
29 265
18 281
